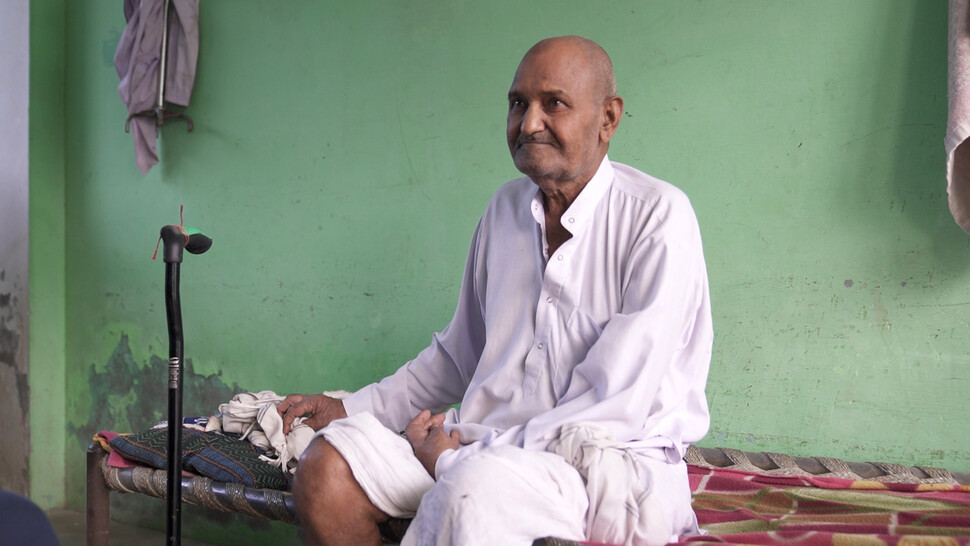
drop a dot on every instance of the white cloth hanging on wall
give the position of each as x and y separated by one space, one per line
958 121
137 61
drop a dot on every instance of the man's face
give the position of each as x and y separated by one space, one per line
554 119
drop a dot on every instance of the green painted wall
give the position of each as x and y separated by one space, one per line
46 247
342 153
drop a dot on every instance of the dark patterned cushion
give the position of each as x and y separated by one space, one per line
209 454
151 446
229 460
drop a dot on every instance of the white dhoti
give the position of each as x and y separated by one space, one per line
382 462
501 495
505 495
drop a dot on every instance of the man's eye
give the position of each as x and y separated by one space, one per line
516 103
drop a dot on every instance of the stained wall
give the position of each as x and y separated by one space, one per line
14 256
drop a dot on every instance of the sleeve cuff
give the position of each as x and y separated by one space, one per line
359 402
445 461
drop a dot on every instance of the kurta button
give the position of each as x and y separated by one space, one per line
539 345
549 299
572 220
559 257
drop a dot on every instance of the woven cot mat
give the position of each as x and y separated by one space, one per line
739 497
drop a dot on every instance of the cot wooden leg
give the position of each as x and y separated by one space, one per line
98 508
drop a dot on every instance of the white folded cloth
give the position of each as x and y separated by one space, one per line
254 416
382 462
622 506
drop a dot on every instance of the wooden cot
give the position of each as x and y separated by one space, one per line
278 505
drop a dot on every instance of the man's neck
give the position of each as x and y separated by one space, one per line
556 234
556 203
557 197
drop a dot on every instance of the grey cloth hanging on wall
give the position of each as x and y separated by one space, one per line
137 61
958 120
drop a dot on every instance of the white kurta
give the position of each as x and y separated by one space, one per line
614 328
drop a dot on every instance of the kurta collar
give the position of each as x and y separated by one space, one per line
580 212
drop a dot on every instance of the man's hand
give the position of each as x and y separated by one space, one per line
318 409
428 438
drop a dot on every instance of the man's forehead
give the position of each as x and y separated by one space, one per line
549 79
562 60
571 63
551 91
554 59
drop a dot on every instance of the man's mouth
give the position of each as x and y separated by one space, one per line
535 142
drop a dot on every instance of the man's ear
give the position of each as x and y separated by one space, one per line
612 113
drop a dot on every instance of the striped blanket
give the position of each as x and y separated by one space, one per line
737 507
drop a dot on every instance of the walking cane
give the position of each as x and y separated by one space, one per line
174 239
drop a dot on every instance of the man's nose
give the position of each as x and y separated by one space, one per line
532 121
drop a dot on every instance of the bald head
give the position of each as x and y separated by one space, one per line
593 60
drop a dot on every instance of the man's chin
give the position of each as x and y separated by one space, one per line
530 165
529 169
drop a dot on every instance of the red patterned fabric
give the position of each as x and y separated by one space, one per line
737 507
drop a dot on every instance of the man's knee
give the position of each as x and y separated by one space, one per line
321 469
324 483
321 460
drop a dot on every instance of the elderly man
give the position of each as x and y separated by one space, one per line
579 354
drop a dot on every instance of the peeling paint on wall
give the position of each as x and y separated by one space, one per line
129 396
15 393
10 345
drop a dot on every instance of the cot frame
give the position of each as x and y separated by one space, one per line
278 505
